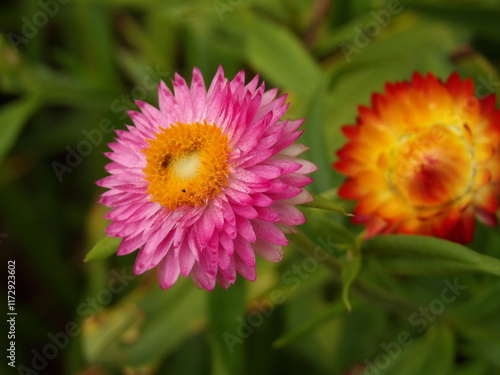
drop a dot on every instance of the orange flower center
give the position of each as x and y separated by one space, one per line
187 164
433 167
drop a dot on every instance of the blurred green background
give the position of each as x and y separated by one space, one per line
69 71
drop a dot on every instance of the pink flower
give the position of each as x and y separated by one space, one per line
206 181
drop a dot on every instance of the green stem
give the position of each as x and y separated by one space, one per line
375 294
325 204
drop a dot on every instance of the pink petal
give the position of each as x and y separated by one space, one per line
204 230
269 251
130 244
223 282
267 214
288 214
285 165
295 179
267 172
201 278
238 197
261 200
305 166
244 251
152 114
290 192
186 259
229 273
224 260
227 244
168 271
303 197
245 229
209 258
248 272
269 232
246 211
198 93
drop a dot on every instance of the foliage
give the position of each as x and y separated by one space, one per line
69 71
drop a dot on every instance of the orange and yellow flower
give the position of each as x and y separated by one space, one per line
424 159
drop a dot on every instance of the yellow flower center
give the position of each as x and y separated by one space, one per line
187 164
433 167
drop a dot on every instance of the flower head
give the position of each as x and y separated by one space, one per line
206 181
424 159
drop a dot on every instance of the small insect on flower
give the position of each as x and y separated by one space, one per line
424 159
206 181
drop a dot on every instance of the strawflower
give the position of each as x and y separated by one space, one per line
206 181
424 159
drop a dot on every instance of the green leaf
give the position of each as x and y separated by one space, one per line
12 118
482 343
421 267
423 255
226 310
145 326
473 368
325 204
314 138
273 50
482 306
333 311
328 234
103 249
377 295
91 25
100 337
349 273
431 354
343 33
171 316
482 20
